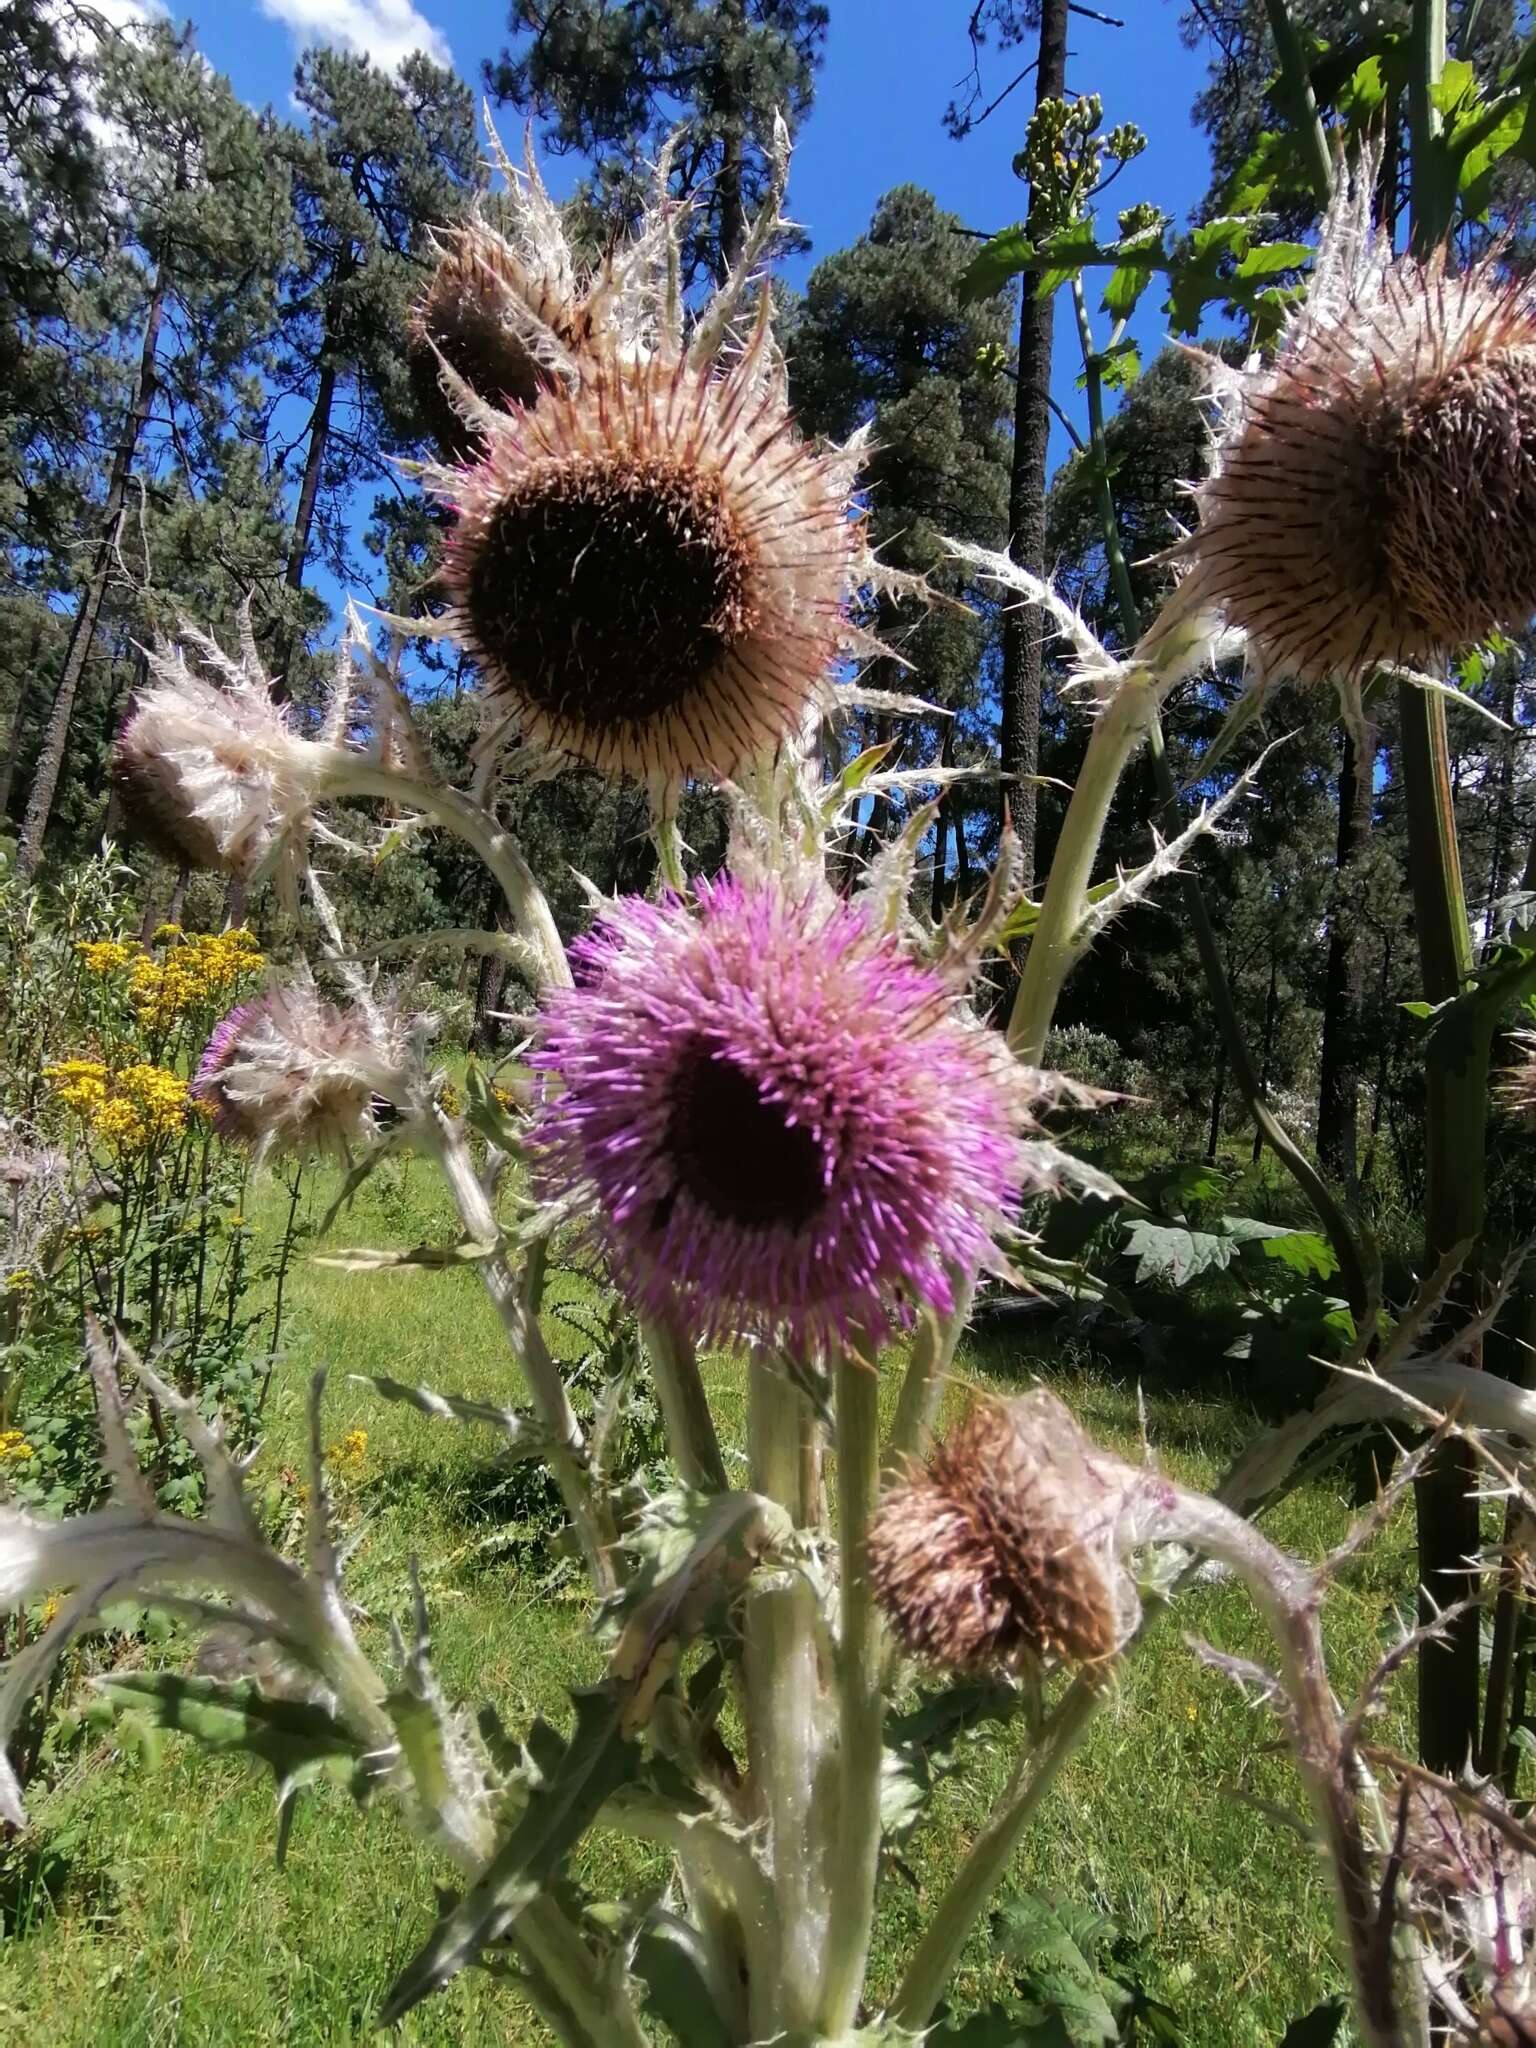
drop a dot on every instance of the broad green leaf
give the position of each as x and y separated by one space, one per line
1120 366
928 1743
1046 1946
1455 87
1127 282
1005 2025
995 263
1268 259
1174 1253
1067 250
1229 235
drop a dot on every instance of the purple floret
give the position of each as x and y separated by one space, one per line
789 1126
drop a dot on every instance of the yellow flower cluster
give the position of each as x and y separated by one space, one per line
106 956
346 1456
80 1085
449 1100
197 973
132 1109
21 1281
14 1448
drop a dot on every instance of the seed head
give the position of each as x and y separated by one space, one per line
209 768
291 1073
502 318
1003 1549
1372 497
784 1123
651 568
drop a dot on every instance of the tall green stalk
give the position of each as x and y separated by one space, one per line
1456 1078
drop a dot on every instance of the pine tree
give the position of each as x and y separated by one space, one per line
882 336
203 211
611 83
387 157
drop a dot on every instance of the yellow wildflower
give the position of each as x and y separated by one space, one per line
145 1105
79 1084
22 1281
167 934
14 1448
50 1609
106 956
346 1456
199 972
449 1100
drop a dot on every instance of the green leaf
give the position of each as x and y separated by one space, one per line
669 1961
1175 1254
929 1742
1068 250
485 1114
1127 282
1456 84
1005 2025
1120 366
1268 259
1053 1969
1305 1252
995 263
597 1759
297 1740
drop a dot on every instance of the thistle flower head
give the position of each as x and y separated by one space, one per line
210 769
781 1119
293 1073
1004 1548
649 564
1372 497
503 315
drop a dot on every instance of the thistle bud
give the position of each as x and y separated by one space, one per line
1372 497
1005 1548
209 768
291 1073
501 320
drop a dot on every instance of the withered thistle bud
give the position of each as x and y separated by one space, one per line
1373 490
1515 1087
292 1073
500 319
1004 1548
209 768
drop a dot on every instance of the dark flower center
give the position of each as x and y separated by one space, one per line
735 1153
609 588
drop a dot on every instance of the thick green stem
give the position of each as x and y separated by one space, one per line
933 1353
861 1700
352 776
1298 89
788 1721
1056 943
986 1862
1456 1078
690 1427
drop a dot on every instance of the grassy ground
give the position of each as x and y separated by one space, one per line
144 1907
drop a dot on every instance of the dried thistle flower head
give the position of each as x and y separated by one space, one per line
1372 497
1005 1547
786 1124
210 769
649 564
292 1073
504 315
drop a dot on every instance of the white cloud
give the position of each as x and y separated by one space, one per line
385 30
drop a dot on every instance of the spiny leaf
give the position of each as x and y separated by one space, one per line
296 1739
519 1430
364 1259
597 1759
669 1961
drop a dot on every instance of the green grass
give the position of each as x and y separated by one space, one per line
145 1907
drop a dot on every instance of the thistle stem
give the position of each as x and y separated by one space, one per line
1057 942
690 1427
861 1700
787 1720
469 821
1456 1075
1298 85
933 1353
986 1861
567 1449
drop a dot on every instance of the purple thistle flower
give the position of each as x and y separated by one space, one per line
787 1124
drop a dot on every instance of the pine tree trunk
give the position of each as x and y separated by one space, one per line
1266 1058
81 634
1338 1092
1218 1103
1023 625
304 518
26 669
